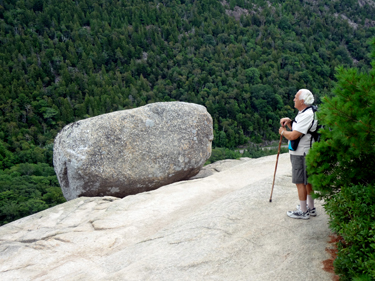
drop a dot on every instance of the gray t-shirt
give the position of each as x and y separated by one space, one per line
302 125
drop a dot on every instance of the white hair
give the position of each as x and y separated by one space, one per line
306 96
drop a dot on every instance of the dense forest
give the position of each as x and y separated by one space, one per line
63 61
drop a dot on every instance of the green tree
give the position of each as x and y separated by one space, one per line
347 149
6 157
252 75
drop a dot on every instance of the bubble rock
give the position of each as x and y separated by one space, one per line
131 151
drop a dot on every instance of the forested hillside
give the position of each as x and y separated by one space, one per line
62 61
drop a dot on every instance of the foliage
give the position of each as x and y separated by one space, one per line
26 189
252 151
341 169
64 61
257 151
6 157
222 153
352 213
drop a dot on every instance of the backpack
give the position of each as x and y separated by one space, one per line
315 126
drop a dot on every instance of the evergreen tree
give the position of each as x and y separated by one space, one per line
347 147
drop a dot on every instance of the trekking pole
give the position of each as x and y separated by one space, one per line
277 160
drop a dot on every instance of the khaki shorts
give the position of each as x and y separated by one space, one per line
299 174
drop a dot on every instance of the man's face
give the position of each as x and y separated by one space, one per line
297 102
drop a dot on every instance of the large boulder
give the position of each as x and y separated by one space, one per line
131 151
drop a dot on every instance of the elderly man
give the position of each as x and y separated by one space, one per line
299 132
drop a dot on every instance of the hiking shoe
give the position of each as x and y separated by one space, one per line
312 211
298 214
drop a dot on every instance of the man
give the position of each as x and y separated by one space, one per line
299 130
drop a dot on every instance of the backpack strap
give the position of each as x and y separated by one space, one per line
312 123
307 109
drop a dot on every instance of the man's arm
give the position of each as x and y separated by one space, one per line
289 135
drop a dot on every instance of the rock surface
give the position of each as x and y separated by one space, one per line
132 151
220 227
218 166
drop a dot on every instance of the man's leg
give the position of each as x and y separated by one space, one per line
309 188
302 212
298 179
302 195
310 200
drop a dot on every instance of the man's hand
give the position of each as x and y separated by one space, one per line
285 121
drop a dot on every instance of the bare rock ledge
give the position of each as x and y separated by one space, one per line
220 227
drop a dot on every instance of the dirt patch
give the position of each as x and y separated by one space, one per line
332 251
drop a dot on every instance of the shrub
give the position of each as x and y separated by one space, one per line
352 213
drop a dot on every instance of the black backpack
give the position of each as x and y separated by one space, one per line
315 126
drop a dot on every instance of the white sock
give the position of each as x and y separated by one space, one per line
303 206
310 201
